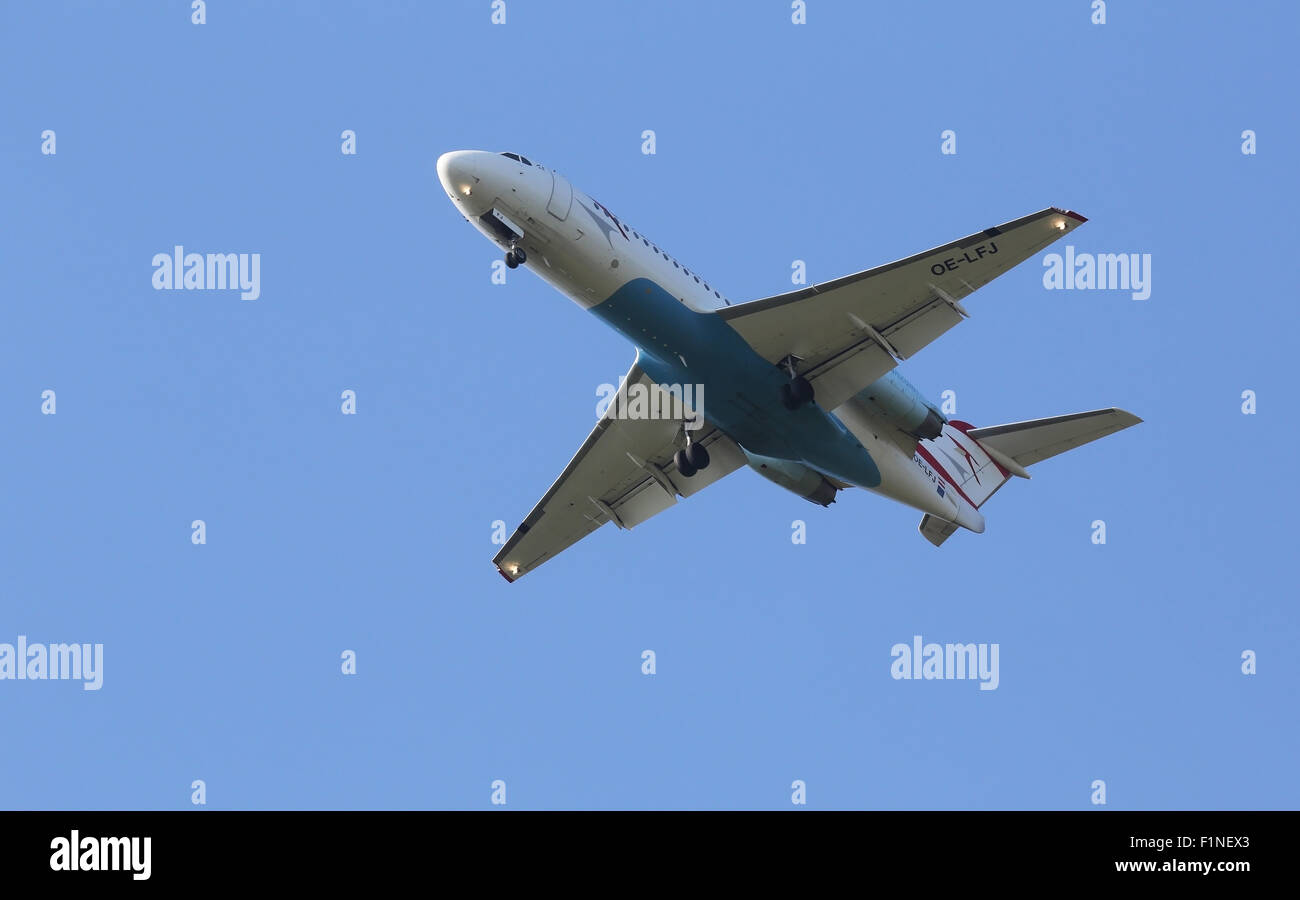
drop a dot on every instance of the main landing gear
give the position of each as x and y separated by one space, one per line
693 458
515 256
798 390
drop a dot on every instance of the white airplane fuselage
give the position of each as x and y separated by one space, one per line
888 439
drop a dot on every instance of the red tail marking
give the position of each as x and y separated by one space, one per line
934 464
964 427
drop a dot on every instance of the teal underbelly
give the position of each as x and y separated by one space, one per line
741 390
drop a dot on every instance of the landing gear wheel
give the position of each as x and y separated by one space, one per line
683 464
510 259
697 456
520 256
796 393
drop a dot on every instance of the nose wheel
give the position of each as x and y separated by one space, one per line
516 256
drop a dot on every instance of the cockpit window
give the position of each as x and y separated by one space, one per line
525 161
517 158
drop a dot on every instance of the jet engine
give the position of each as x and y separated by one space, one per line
893 399
793 476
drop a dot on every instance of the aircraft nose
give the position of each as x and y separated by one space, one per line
456 172
465 177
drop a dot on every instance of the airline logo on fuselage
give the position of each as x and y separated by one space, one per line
613 218
601 222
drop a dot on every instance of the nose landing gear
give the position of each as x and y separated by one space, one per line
515 256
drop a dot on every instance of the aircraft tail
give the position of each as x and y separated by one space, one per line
978 461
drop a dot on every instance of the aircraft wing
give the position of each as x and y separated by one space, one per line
850 331
623 473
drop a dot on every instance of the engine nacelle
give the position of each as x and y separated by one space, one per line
796 477
893 399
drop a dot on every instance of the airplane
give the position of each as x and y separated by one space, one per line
801 387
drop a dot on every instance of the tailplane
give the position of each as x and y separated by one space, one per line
978 461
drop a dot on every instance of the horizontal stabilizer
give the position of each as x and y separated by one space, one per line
1039 439
936 530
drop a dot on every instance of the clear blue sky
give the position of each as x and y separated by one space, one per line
372 532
